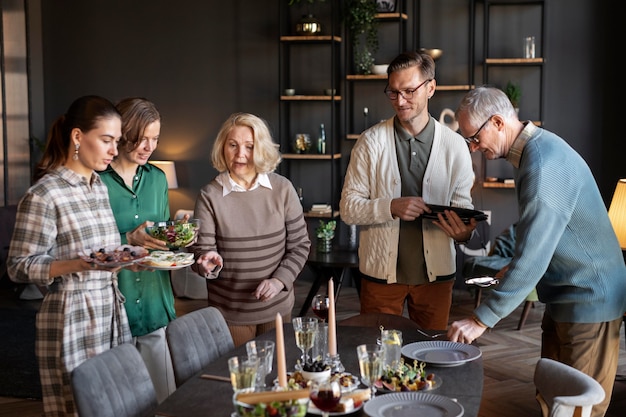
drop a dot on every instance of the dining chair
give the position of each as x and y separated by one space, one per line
563 391
114 383
195 340
388 321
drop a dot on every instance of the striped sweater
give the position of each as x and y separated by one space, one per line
260 234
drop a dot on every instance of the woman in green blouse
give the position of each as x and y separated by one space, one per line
139 196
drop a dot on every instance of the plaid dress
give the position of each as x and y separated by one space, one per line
82 314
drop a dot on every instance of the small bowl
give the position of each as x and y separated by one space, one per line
316 376
175 233
434 53
330 91
379 69
292 408
290 91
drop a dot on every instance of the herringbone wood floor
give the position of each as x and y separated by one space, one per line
509 356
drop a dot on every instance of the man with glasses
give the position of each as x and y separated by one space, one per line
565 244
396 168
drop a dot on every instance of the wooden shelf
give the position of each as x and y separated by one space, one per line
310 98
311 156
352 136
331 215
497 184
391 16
307 38
513 61
360 77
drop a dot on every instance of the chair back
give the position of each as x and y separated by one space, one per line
114 383
563 391
195 340
388 321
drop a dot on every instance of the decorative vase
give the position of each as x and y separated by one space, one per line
308 25
324 245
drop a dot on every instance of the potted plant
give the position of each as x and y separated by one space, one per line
514 93
360 19
325 233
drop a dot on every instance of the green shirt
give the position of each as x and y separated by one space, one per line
149 297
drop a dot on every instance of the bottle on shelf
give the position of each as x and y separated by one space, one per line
321 140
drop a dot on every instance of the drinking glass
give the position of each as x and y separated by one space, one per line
305 329
320 344
264 350
391 342
370 364
243 370
325 395
320 306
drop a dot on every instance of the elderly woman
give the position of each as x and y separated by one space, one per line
253 239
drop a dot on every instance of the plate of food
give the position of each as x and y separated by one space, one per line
176 233
464 214
482 281
347 381
114 256
351 402
409 377
167 260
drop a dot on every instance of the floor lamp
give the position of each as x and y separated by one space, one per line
617 214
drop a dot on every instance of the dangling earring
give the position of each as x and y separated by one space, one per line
75 156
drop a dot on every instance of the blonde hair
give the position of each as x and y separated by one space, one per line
266 156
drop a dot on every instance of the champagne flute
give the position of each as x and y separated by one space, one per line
320 305
325 395
370 364
305 329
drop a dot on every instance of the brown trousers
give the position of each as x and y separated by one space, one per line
242 334
428 304
592 348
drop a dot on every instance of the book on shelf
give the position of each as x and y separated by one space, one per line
321 208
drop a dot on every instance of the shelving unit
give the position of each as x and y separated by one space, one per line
400 19
502 60
309 107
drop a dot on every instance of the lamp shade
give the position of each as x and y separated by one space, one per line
617 212
170 172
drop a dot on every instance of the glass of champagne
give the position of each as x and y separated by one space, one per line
325 395
320 305
305 329
370 364
243 370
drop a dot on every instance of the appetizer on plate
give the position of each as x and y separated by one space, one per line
407 378
165 259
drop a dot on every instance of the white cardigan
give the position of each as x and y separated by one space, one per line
373 180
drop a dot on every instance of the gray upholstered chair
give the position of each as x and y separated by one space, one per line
563 391
196 339
114 383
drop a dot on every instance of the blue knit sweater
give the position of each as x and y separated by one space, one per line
566 246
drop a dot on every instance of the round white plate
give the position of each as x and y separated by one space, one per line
441 352
412 404
482 281
179 265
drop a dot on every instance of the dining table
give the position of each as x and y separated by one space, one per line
200 396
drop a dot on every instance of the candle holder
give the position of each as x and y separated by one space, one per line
335 364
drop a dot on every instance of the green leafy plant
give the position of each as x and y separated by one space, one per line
326 230
360 19
514 93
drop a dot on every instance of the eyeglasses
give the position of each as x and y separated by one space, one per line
406 94
474 137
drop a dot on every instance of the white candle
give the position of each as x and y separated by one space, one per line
332 326
281 362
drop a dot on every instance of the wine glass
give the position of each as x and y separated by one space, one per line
320 306
325 395
370 364
305 329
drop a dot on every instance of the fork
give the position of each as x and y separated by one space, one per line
432 336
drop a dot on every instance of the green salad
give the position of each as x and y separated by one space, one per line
176 234
292 408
